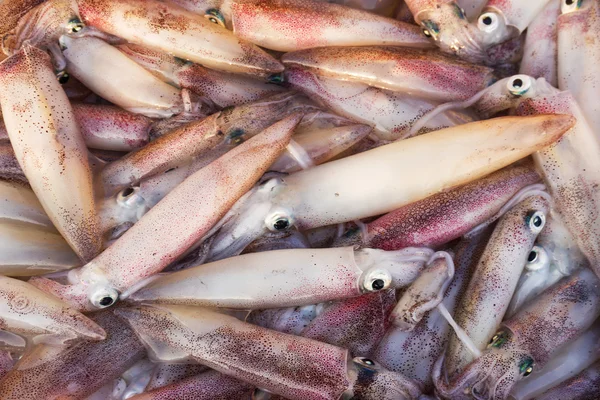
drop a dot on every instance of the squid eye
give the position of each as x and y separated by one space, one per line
568 6
63 77
376 280
537 259
275 78
75 25
536 221
367 362
430 28
498 340
526 366
488 22
105 297
215 16
128 197
519 85
426 33
236 136
279 221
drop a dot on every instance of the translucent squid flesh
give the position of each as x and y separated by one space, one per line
45 136
370 105
290 25
578 56
77 371
327 194
528 340
426 74
174 30
26 310
106 127
179 221
291 366
445 216
303 277
222 88
583 386
570 360
211 385
413 353
495 279
540 52
118 79
18 202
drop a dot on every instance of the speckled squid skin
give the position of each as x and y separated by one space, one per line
495 279
583 386
579 57
571 170
168 151
78 371
530 338
211 385
448 215
12 11
197 204
49 147
292 366
426 74
174 30
541 51
290 25
168 373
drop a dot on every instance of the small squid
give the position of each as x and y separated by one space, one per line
45 136
446 216
303 277
344 190
527 340
425 74
175 225
169 28
292 366
77 371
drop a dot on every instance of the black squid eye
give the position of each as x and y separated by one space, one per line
532 256
106 301
378 284
281 224
63 78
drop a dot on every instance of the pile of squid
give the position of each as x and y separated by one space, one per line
299 199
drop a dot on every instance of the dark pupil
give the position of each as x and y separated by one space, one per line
281 224
127 192
569 2
64 78
377 284
275 78
537 222
532 256
106 301
368 362
517 83
426 32
487 20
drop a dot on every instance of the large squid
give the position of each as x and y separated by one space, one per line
287 365
174 225
344 190
49 147
527 341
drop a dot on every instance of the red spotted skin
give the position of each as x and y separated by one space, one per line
448 215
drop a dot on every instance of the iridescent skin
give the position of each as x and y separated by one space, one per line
528 340
445 216
294 367
207 195
78 371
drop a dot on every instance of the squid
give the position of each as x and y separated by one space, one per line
303 277
45 136
448 215
583 386
578 29
327 194
206 386
287 365
541 50
528 340
370 105
495 278
174 30
10 169
12 11
168 373
29 313
118 79
425 74
222 88
77 371
309 24
569 361
175 225
18 203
